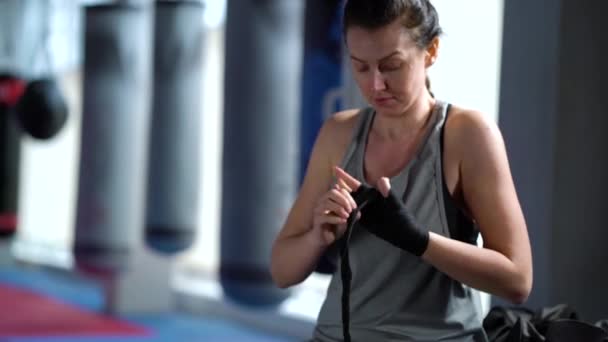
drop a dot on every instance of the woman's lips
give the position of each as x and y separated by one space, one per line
383 101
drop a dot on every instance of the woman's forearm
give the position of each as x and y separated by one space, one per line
481 268
294 258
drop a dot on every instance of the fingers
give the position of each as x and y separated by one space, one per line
336 209
336 202
346 193
350 182
330 226
328 236
333 232
342 185
340 229
332 212
384 186
342 198
330 218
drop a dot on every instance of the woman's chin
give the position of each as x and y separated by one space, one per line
388 111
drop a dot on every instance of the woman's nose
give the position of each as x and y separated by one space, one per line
378 81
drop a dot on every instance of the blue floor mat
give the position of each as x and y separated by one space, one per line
174 327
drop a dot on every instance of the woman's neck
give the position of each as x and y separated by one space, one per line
406 125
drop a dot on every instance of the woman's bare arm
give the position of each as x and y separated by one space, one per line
503 266
298 246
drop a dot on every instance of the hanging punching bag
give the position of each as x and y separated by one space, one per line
322 71
173 169
259 177
115 122
321 86
11 89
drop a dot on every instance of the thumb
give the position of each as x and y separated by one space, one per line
384 186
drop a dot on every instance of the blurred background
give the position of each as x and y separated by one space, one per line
150 151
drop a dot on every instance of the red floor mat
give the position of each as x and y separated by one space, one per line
25 313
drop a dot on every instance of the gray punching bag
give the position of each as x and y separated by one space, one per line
173 169
115 123
260 159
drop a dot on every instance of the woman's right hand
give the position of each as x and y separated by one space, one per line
331 213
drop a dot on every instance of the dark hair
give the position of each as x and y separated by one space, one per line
419 17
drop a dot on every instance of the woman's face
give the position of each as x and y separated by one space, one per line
388 66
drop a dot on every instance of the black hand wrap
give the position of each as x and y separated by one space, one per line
387 218
362 197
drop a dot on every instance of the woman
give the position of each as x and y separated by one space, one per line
414 265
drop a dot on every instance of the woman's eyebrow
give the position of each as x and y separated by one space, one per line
381 59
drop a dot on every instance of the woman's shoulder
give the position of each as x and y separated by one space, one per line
340 125
343 120
467 126
337 131
467 118
472 134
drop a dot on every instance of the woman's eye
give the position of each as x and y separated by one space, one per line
390 66
362 68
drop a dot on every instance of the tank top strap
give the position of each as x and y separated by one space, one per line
359 137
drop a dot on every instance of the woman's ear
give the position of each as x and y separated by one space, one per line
431 52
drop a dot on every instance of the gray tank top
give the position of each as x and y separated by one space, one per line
396 296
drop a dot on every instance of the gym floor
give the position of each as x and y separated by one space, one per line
41 305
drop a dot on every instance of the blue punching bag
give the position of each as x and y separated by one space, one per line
259 178
322 71
321 86
115 123
174 157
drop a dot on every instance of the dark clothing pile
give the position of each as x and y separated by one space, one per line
553 324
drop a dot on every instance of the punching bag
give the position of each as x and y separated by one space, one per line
321 86
11 89
173 169
259 175
322 71
21 38
115 123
